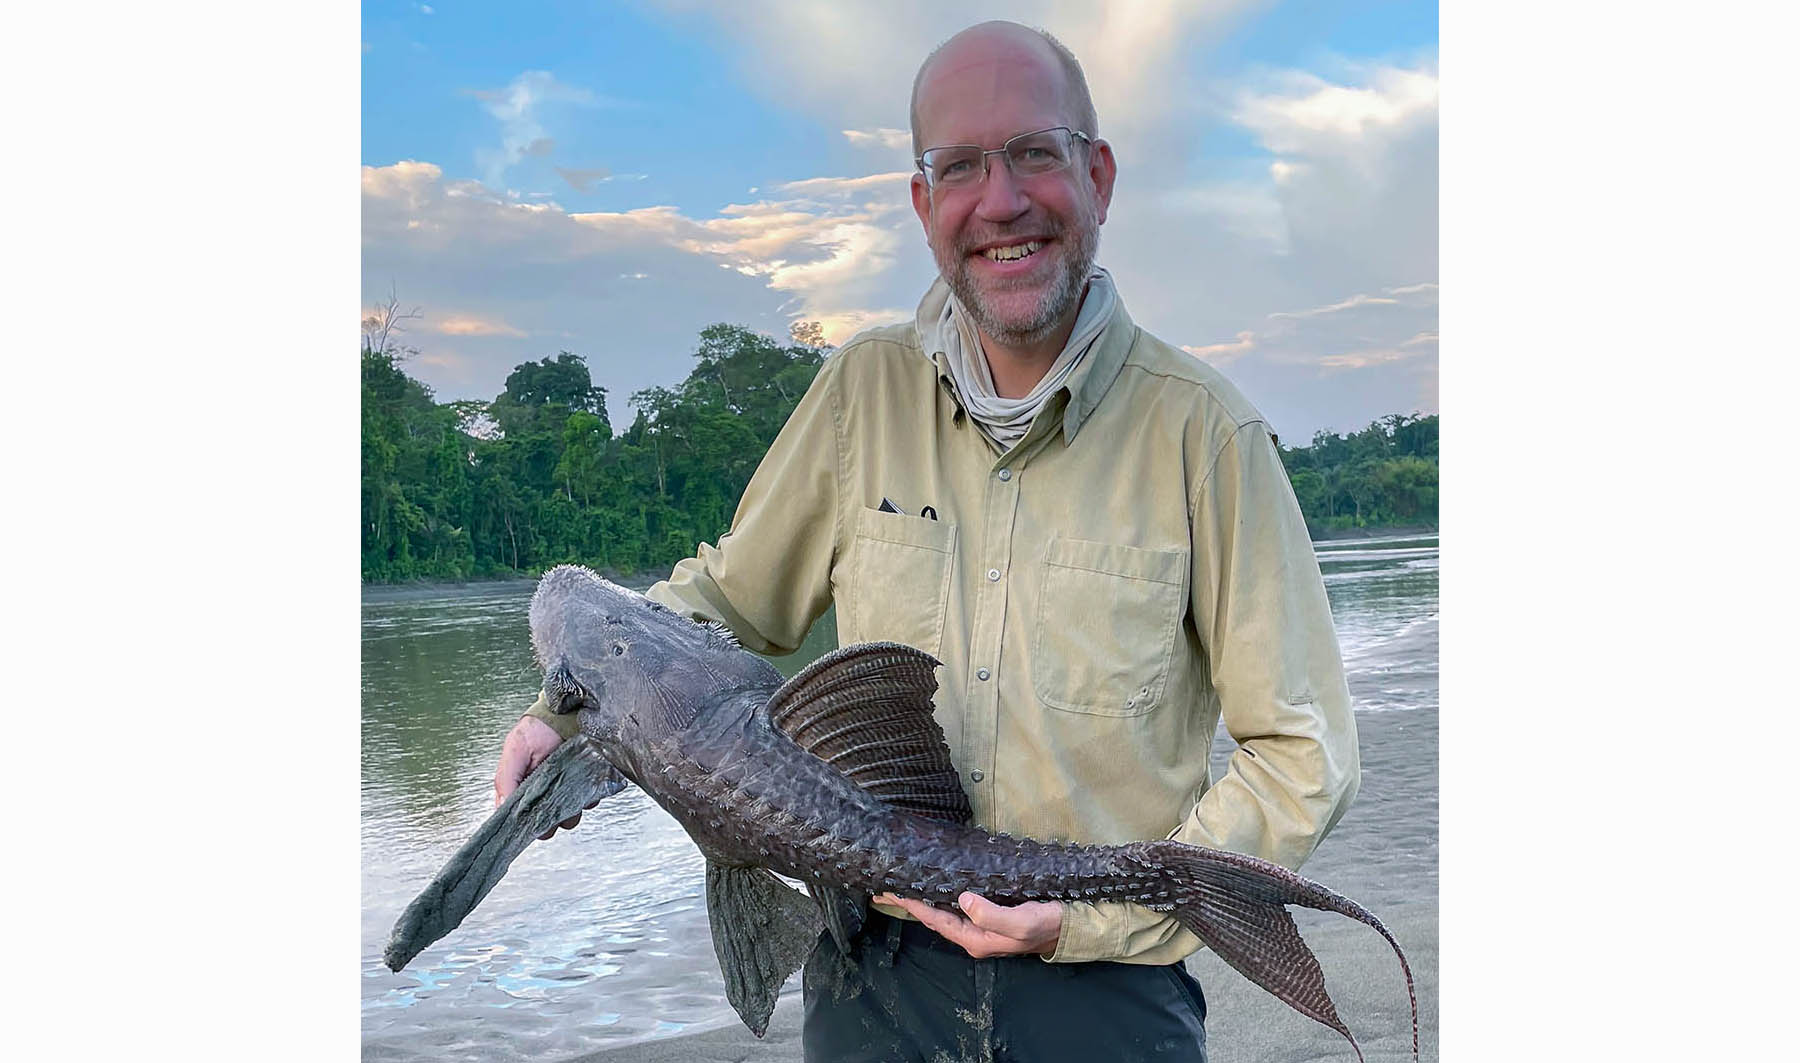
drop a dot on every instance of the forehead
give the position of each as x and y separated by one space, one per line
983 91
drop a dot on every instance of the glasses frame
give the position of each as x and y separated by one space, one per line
986 166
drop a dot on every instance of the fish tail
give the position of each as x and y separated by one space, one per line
1236 904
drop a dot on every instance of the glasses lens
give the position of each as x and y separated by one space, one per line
1036 153
953 166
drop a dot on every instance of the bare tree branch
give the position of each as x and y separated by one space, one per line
379 327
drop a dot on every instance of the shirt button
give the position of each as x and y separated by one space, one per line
993 575
976 775
1005 475
981 674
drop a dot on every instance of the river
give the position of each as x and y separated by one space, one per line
599 938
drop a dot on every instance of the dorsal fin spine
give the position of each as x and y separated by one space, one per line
866 711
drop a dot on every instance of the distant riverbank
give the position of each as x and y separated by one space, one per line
1332 535
412 590
408 590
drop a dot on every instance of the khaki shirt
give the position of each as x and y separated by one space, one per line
1132 571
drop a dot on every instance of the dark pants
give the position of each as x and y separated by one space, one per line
908 994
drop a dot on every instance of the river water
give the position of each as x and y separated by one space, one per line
599 937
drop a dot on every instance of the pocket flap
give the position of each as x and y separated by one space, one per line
1134 562
906 531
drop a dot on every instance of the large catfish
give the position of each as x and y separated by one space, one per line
839 778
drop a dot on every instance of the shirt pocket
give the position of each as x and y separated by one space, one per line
900 579
1107 620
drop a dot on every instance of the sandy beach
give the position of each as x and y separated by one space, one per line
1383 854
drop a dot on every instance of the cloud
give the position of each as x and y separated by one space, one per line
1222 354
520 109
1303 254
1364 359
835 186
584 180
844 251
882 137
1310 115
889 139
1348 304
1340 365
470 325
619 289
856 65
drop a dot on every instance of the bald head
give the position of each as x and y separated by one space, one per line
1004 43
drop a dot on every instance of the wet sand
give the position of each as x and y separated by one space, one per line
1384 854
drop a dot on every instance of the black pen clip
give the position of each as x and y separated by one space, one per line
929 512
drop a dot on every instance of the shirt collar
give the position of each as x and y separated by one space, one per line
1086 386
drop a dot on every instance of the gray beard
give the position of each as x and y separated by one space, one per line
1060 298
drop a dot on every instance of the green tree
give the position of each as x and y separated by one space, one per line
539 396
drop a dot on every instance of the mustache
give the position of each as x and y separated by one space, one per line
1048 229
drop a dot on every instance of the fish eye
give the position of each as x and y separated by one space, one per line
618 649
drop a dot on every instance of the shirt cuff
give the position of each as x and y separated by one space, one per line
1089 932
1120 933
565 725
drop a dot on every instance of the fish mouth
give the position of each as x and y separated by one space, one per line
566 694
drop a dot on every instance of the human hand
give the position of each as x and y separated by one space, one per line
988 929
526 746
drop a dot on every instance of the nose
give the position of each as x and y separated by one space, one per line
1002 195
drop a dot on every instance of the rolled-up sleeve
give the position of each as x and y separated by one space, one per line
1260 611
769 577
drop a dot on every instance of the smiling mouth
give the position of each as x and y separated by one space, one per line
1013 252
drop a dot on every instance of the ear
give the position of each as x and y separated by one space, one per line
921 199
1103 169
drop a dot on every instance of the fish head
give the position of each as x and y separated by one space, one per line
607 651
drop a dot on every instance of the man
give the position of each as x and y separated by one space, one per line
1092 530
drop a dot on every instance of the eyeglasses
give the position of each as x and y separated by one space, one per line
1027 155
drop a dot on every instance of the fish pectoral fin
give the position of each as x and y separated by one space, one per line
762 931
569 780
866 711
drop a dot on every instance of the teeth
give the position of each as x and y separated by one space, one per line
1013 253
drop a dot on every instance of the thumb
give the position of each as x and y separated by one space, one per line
990 916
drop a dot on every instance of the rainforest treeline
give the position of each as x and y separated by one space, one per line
472 490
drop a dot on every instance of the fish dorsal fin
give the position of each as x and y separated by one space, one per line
866 711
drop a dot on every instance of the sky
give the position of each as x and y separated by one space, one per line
1618 243
608 179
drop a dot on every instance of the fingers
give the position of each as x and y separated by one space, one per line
1035 926
1011 922
953 928
515 764
525 747
990 929
948 925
